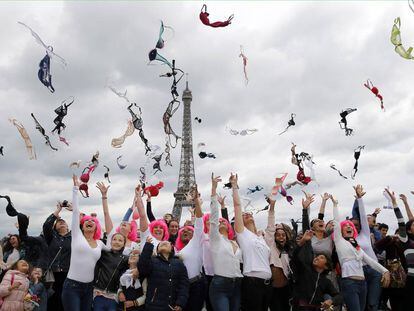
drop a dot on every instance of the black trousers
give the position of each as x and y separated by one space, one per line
280 299
207 282
54 302
255 294
196 298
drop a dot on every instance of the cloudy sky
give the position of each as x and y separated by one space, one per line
308 58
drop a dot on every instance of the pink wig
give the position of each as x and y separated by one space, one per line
98 230
230 230
132 234
347 222
179 245
161 223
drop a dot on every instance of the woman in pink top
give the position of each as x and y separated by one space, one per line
14 287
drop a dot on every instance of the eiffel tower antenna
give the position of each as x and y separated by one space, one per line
186 178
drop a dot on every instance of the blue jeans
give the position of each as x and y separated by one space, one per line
354 293
225 293
101 303
77 296
373 279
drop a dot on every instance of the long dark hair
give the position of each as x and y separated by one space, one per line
8 247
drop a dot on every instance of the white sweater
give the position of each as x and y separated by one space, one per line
350 258
83 257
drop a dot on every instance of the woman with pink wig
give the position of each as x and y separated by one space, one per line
157 229
86 247
189 249
352 258
224 289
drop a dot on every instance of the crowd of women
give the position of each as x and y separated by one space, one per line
211 262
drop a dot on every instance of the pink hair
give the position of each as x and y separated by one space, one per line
343 224
179 245
161 223
132 234
98 230
230 230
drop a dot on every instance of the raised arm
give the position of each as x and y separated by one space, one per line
143 221
306 202
104 192
224 212
402 231
325 197
238 215
76 231
359 193
214 209
337 226
48 224
150 214
407 207
271 215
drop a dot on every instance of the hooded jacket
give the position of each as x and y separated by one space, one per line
310 286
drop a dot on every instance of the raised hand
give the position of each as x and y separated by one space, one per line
334 201
308 200
391 194
377 211
101 186
138 191
215 181
359 191
270 200
403 198
307 236
221 199
325 197
233 180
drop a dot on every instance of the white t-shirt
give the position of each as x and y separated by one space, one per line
256 255
226 262
192 253
207 256
83 257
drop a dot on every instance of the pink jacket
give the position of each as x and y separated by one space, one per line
13 301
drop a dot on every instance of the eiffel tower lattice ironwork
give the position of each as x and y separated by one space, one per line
186 178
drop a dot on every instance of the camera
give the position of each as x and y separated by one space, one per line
65 203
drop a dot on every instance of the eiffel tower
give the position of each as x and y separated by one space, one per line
186 179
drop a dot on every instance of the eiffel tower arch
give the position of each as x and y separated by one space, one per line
186 178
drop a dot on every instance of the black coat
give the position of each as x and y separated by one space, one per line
310 286
109 269
56 242
168 283
35 247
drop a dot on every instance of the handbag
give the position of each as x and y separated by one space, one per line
397 272
49 276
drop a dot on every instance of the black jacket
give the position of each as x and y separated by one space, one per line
109 269
35 247
167 280
55 242
310 286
